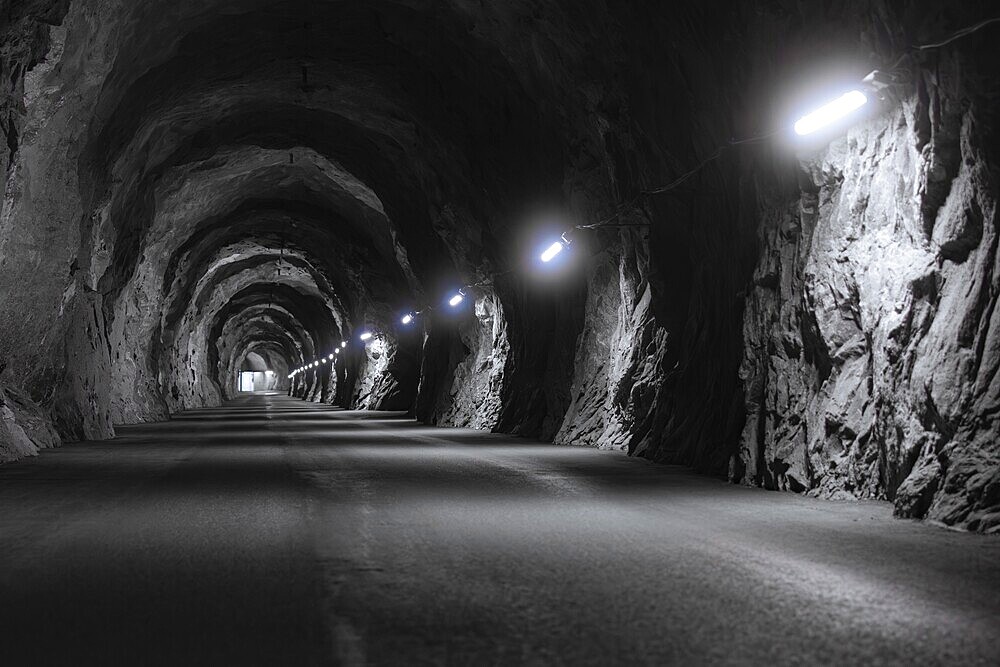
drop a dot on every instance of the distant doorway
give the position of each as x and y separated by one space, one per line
256 381
246 380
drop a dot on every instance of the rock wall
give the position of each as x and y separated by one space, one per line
871 331
477 381
25 38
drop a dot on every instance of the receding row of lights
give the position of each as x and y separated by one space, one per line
343 344
826 115
808 124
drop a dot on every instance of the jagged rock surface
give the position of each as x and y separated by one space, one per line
870 365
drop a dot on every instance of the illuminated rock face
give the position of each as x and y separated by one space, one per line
870 331
188 188
870 334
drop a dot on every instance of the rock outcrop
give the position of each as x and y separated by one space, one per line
870 365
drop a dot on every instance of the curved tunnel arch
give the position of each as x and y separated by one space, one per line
398 155
401 150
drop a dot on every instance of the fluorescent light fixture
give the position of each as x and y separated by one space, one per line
830 112
552 251
407 318
366 335
457 299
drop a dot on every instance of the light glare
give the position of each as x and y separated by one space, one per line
830 112
552 251
365 336
455 300
407 318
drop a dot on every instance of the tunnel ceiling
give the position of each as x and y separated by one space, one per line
285 173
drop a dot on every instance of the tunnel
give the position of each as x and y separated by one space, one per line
521 332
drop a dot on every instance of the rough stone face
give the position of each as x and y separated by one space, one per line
477 380
870 368
23 429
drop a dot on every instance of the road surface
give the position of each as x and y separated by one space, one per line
274 532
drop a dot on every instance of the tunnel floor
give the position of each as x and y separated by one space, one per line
277 532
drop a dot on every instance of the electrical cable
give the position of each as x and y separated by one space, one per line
958 35
677 182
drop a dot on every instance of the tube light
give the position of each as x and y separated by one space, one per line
830 112
457 299
552 251
366 335
407 318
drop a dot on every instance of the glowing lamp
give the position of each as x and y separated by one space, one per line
457 299
552 251
323 360
830 112
407 318
330 357
343 343
337 351
366 335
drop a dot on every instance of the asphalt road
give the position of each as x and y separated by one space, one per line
273 532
